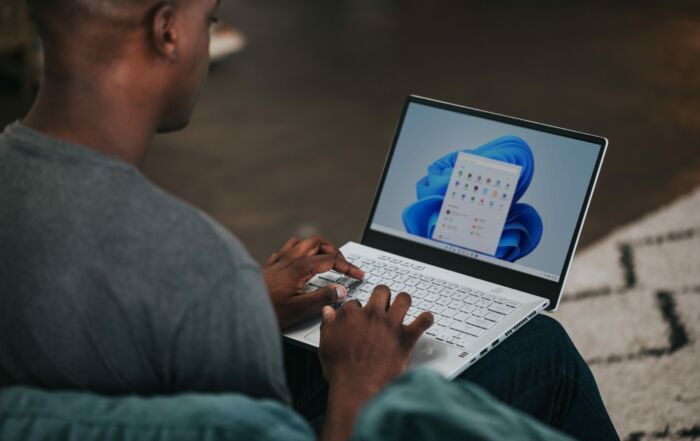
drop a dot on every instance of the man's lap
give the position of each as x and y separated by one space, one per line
531 371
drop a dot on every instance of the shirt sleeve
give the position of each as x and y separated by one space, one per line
229 340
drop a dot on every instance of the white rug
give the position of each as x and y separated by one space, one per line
632 306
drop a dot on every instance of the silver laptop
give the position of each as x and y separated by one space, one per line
477 216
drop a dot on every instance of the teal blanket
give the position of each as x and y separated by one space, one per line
418 406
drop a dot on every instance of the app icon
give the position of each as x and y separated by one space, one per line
488 180
476 187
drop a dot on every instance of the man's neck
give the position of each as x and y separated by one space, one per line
91 113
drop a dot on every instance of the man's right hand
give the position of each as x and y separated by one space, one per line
362 350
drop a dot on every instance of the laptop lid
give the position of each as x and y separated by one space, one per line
486 195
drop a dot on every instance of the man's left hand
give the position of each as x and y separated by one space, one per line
287 271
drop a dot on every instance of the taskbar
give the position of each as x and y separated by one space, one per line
465 252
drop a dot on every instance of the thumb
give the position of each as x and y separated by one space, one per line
328 315
315 300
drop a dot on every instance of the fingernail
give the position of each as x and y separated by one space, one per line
341 292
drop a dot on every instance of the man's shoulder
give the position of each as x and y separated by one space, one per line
182 222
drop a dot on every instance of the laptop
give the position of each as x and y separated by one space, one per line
477 217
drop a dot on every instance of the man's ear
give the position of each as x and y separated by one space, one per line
164 35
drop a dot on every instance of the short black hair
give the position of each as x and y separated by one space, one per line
98 24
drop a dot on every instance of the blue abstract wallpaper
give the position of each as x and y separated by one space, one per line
523 227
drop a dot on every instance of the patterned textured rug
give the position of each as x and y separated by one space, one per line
632 306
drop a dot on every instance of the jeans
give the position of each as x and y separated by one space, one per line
537 370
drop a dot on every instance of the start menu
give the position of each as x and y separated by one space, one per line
476 203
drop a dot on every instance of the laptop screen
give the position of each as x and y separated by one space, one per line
496 192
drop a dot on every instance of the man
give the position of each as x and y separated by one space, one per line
109 284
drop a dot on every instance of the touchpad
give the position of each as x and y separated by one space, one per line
426 351
314 337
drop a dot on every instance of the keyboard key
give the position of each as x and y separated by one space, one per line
432 298
418 267
449 312
467 328
423 285
465 340
444 301
448 291
378 272
512 304
411 282
401 278
483 303
451 285
427 278
467 308
456 304
505 310
436 329
479 312
435 288
461 317
480 322
459 296
471 299
444 321
488 297
383 257
331 276
494 317
436 309
438 282
402 271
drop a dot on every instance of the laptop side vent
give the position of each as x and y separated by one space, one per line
463 354
520 323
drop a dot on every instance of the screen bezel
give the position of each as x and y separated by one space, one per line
465 265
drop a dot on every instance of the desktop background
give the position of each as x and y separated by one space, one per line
562 171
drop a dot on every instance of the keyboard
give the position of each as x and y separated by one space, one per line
461 314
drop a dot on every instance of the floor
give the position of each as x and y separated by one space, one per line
632 307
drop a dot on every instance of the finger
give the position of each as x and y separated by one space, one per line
416 328
399 307
328 314
291 243
380 298
345 267
352 304
307 247
272 259
313 301
283 251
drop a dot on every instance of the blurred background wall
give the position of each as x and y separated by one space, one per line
291 133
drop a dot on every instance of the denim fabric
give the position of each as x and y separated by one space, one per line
538 371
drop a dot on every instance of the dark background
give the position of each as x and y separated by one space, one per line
291 134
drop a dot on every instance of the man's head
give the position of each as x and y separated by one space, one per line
154 52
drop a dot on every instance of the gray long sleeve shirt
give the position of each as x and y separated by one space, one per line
108 283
